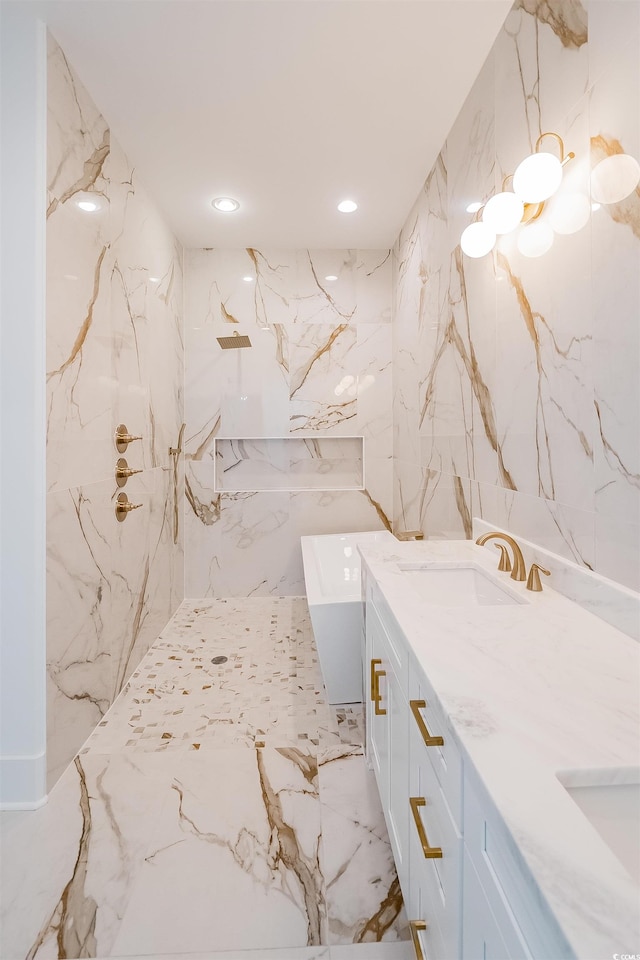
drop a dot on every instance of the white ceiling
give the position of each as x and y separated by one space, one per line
288 105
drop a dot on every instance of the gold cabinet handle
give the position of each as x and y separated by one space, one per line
124 507
431 853
416 707
417 926
375 689
124 471
123 438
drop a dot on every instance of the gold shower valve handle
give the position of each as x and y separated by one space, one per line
123 438
124 506
124 471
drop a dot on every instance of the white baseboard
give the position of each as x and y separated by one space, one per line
23 782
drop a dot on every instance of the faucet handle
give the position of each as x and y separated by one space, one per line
505 560
533 580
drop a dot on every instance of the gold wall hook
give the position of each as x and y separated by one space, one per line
505 562
123 438
533 580
124 471
124 507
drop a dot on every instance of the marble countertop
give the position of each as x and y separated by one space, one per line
533 690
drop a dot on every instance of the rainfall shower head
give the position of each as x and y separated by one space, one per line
233 342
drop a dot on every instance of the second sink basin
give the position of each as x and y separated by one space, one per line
452 586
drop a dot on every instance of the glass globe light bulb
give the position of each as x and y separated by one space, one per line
477 240
535 239
537 177
503 213
569 212
614 178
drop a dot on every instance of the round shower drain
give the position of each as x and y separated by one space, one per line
219 659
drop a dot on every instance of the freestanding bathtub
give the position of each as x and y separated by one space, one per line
332 578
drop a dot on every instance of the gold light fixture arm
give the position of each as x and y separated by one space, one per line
563 159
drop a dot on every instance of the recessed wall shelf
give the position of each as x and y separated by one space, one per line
259 464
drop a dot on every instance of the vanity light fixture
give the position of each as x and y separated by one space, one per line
503 212
614 178
225 204
539 175
535 240
347 206
536 179
478 239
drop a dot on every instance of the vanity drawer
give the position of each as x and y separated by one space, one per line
429 721
482 936
395 643
523 917
420 907
440 876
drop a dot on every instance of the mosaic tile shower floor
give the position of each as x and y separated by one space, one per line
220 809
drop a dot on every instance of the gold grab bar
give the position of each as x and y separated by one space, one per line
416 707
431 853
415 926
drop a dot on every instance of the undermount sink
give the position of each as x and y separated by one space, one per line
610 800
452 586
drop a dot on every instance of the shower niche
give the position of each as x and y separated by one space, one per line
254 464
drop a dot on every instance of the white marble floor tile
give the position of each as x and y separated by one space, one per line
364 902
233 862
68 868
218 808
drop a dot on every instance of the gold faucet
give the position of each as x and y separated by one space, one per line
519 571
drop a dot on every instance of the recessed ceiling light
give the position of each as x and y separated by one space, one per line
154 279
225 204
474 207
89 206
248 279
331 278
347 206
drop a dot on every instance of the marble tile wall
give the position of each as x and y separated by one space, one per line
516 380
319 367
114 354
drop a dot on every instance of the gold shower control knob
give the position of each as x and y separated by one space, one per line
123 438
124 507
124 471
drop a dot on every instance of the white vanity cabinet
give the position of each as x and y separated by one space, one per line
465 887
387 726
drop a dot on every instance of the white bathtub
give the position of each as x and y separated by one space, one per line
332 579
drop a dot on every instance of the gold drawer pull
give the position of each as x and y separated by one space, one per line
415 926
416 707
375 689
431 853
